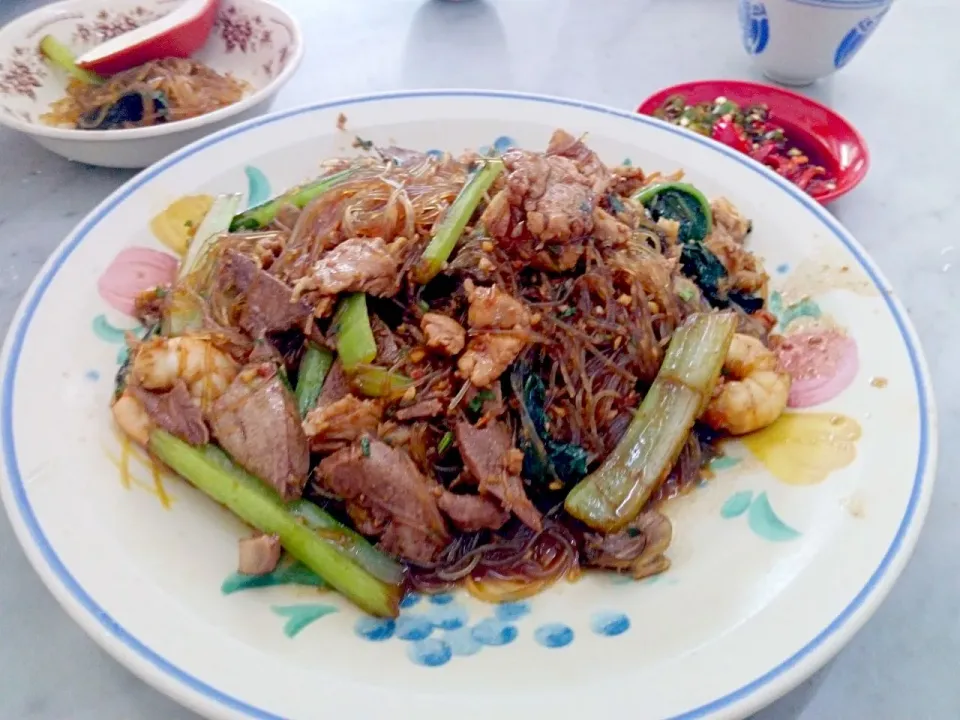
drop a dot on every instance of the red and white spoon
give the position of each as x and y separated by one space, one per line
179 33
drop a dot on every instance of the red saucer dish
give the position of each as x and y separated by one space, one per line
811 133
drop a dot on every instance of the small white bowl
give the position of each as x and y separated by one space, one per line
253 40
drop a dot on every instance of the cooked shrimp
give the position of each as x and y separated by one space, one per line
132 418
754 392
206 369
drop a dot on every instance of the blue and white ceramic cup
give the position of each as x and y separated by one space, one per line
795 42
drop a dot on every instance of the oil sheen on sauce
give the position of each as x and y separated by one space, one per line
131 454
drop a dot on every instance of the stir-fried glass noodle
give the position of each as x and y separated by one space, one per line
159 91
420 372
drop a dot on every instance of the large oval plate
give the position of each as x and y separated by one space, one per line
776 563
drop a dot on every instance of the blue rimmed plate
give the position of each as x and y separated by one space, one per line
777 559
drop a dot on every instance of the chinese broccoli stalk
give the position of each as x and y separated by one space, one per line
617 491
342 558
264 214
448 231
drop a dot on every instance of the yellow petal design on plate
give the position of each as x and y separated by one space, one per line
176 225
804 448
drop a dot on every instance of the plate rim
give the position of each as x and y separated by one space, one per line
195 693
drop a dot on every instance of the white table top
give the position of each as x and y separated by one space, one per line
900 92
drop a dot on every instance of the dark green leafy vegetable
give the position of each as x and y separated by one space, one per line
214 473
314 367
689 207
701 265
128 110
263 214
545 460
681 202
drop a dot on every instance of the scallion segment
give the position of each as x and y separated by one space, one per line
61 56
379 382
355 342
313 371
617 491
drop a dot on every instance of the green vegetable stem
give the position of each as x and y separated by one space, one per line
381 566
308 536
614 495
314 367
61 56
447 232
263 214
379 382
355 342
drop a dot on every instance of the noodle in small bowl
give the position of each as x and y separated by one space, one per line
254 49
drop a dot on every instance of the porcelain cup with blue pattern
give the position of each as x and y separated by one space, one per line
795 42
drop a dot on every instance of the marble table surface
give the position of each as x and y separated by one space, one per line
900 92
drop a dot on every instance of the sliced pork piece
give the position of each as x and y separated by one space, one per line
388 349
256 420
174 411
335 386
729 218
588 162
421 411
489 354
627 180
444 334
489 456
269 305
383 488
471 513
609 230
545 213
358 265
490 307
335 425
259 555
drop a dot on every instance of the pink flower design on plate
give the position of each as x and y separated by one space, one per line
822 364
132 271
